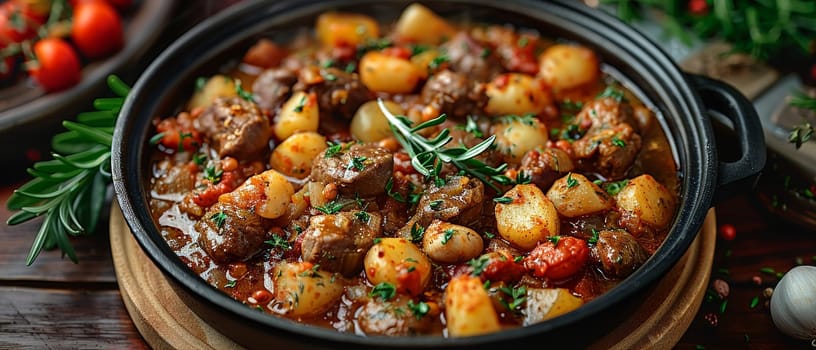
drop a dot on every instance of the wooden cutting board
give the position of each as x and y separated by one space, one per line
166 322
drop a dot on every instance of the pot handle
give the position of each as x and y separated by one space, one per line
723 98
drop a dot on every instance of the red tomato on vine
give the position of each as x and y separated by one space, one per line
96 29
57 66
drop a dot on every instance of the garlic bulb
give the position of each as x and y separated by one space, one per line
793 304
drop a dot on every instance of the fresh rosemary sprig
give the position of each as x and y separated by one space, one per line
803 132
759 27
69 191
427 155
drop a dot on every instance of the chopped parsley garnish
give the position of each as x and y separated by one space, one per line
182 136
570 181
199 158
437 62
528 119
377 240
246 95
383 290
156 139
219 218
518 297
419 309
373 45
472 128
485 53
301 104
503 200
572 132
618 142
333 149
417 232
310 273
523 41
200 83
362 216
554 240
332 207
212 174
230 284
327 63
594 238
357 163
329 77
436 204
350 67
614 188
518 258
447 235
279 242
612 92
478 264
417 49
489 234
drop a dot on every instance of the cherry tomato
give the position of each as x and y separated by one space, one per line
96 29
38 9
16 24
558 258
698 7
57 65
728 232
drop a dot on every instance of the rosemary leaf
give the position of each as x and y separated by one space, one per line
70 190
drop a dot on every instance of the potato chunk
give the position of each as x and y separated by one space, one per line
420 25
647 199
298 114
528 218
516 136
215 87
546 303
345 29
369 123
469 310
304 290
383 73
568 66
448 243
399 262
574 195
516 93
294 156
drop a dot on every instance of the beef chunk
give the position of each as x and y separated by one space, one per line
618 253
459 201
363 169
338 93
340 241
605 113
272 87
236 127
545 166
467 56
453 94
229 233
392 317
609 151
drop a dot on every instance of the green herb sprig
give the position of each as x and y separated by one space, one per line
69 190
761 28
803 132
427 155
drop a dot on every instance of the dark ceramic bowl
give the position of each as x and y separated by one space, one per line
684 104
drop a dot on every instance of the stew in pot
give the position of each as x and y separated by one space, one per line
420 177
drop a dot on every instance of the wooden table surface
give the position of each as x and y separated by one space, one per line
57 304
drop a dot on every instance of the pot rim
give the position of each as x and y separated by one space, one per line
696 190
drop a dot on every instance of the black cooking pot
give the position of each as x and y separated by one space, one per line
683 103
